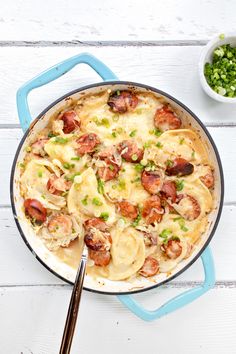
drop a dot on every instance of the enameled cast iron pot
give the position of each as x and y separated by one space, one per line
62 270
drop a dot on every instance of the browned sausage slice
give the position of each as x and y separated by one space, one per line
35 210
152 210
180 167
123 102
172 249
37 147
130 151
87 143
112 166
208 180
98 240
60 224
165 119
100 258
97 236
97 223
150 267
58 185
151 181
71 121
169 190
127 209
191 207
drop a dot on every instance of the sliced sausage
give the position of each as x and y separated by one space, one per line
165 119
127 209
87 143
98 240
130 151
97 237
151 181
169 190
71 121
150 267
208 180
152 209
100 258
190 208
60 224
149 239
111 162
172 249
58 185
37 147
124 102
97 223
180 167
35 210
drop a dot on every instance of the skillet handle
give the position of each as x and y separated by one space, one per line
52 74
178 301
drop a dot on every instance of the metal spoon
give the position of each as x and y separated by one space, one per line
73 307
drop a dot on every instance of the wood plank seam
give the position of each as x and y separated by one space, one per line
173 284
78 43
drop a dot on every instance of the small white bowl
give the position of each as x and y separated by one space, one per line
206 57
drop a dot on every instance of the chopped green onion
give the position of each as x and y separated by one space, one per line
60 140
138 167
159 145
148 144
181 141
181 223
221 73
67 165
97 202
51 135
138 218
85 200
22 165
179 185
114 134
157 132
165 234
104 215
133 133
40 174
71 178
76 158
193 154
100 186
169 163
103 122
111 167
121 184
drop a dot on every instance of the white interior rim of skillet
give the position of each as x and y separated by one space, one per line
128 85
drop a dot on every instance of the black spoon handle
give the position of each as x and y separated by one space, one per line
73 309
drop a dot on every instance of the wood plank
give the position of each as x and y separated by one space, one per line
18 266
107 20
210 327
224 138
172 69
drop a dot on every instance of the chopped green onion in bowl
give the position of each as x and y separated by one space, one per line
221 72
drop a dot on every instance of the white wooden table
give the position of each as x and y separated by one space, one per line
155 42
